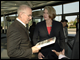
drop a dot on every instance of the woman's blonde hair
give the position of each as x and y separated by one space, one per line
51 11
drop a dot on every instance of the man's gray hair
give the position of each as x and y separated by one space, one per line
22 8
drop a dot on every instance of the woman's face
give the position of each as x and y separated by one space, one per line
46 15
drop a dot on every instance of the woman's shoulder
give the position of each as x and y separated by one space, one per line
57 22
40 23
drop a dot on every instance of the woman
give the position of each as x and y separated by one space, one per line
47 29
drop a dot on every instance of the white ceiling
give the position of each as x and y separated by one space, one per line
8 7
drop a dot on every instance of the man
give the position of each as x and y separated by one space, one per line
64 23
18 43
75 51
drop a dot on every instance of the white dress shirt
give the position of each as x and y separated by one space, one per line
61 56
21 22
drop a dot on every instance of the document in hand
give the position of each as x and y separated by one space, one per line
46 42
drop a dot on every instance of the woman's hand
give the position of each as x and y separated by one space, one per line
40 55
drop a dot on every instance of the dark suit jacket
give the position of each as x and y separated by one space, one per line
18 44
75 51
77 27
41 33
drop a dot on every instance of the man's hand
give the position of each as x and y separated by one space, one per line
58 53
63 52
40 55
35 49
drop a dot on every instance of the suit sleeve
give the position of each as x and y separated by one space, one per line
76 27
13 45
62 57
75 51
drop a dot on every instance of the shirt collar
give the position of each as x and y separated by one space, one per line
21 22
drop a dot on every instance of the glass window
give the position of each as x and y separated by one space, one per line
37 20
71 18
16 14
13 15
71 7
58 18
34 20
42 19
2 21
42 8
58 9
36 10
29 24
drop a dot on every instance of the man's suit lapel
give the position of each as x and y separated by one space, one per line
23 27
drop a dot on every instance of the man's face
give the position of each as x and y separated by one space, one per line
64 24
27 15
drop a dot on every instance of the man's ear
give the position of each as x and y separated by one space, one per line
21 14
